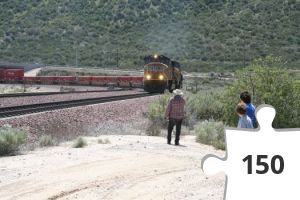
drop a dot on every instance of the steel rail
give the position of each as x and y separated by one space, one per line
37 108
53 93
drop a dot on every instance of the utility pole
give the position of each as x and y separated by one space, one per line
244 51
117 58
76 56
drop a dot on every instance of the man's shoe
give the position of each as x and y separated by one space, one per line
177 143
169 143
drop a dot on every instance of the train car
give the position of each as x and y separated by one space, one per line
84 80
118 81
161 73
1 75
66 80
124 81
48 80
13 75
137 81
104 80
32 80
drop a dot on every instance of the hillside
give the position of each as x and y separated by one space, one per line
201 34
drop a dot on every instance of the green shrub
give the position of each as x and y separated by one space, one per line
269 83
204 106
11 139
211 133
199 106
156 111
153 129
156 115
79 143
46 141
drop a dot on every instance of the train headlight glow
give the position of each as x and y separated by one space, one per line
148 77
155 56
161 77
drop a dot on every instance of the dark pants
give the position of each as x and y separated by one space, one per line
172 123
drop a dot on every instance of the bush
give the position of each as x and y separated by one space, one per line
269 83
211 133
153 129
156 116
80 143
46 141
156 111
200 106
11 139
204 106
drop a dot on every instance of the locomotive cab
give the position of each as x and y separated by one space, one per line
155 79
161 73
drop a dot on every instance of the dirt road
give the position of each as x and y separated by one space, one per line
131 167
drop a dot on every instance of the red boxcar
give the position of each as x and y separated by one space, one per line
31 80
1 75
48 80
66 80
122 81
137 81
104 80
84 80
13 75
125 81
98 80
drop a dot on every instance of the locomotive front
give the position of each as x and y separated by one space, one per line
155 78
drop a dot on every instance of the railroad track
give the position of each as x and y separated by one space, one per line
53 93
36 108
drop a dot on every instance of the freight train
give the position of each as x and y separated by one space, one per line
16 75
161 73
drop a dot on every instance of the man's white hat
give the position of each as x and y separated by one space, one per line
178 92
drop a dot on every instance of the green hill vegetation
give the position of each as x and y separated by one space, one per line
203 35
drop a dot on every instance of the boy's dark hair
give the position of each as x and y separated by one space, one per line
245 97
241 109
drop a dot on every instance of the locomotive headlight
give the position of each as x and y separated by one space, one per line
155 56
161 77
148 77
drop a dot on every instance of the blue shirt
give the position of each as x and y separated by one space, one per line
250 111
245 122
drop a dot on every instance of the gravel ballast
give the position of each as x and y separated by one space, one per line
108 118
16 101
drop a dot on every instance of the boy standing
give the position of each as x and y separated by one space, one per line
244 121
245 98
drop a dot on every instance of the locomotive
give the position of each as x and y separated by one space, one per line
161 73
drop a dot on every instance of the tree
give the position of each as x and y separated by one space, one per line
269 83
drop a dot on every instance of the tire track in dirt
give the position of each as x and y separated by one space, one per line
123 170
111 183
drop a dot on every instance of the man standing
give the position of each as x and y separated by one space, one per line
175 113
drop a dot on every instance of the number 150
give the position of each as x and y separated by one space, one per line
265 165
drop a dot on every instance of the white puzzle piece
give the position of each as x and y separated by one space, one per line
275 154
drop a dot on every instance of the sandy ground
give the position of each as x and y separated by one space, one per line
130 167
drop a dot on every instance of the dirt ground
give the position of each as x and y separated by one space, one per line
130 167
